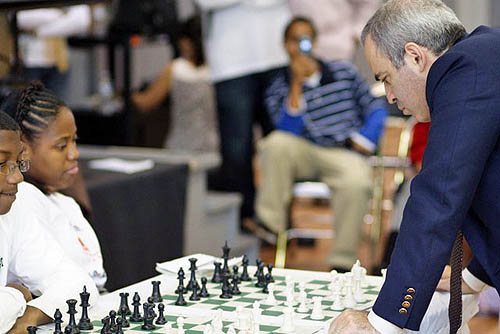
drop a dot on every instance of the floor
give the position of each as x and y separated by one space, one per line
317 215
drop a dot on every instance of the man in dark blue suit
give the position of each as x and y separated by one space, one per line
434 70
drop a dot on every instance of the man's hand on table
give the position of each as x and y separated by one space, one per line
31 317
352 322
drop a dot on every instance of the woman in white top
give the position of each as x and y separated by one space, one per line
186 79
49 137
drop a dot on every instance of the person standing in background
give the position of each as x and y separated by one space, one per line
44 51
243 47
339 24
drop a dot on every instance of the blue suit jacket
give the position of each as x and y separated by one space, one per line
459 185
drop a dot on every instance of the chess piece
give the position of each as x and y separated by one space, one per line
270 272
337 299
231 330
149 316
244 275
72 328
168 328
156 295
204 292
235 290
180 277
136 315
194 295
287 326
119 328
258 262
267 280
180 297
161 317
260 276
271 300
256 311
85 323
31 329
225 257
57 321
192 281
317 312
243 320
124 302
217 278
303 303
123 315
112 320
235 272
349 301
106 329
226 289
180 325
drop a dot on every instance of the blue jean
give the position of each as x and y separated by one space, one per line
239 106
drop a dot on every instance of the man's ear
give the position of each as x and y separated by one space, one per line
416 56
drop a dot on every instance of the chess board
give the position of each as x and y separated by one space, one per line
250 294
196 324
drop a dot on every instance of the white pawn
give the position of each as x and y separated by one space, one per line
287 326
207 329
168 328
256 311
337 299
256 328
317 312
270 296
333 280
349 301
231 330
180 325
303 303
364 284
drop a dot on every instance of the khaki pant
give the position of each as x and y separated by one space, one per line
285 157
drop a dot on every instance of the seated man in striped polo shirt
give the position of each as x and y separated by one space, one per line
327 122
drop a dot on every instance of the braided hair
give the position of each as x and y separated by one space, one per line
33 108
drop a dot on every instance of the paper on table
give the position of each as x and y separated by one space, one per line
121 165
204 263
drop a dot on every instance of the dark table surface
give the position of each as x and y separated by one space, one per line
138 218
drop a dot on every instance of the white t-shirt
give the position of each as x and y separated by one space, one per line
243 37
30 256
64 220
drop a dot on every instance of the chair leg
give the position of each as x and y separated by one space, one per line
281 246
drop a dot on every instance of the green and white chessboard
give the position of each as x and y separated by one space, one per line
250 294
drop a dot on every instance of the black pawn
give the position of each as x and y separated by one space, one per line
106 329
123 315
235 272
72 328
226 289
161 317
156 292
244 275
270 271
267 280
180 298
195 296
124 302
180 277
217 278
235 290
58 321
192 281
119 328
260 277
112 320
136 302
258 262
32 329
204 292
85 323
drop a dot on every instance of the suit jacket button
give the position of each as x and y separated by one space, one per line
408 297
411 291
403 311
406 304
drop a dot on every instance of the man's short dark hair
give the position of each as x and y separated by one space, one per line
7 122
300 19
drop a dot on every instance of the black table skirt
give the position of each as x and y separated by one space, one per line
138 218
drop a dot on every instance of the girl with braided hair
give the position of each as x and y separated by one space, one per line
48 132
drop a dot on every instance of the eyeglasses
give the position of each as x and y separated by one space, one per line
9 167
